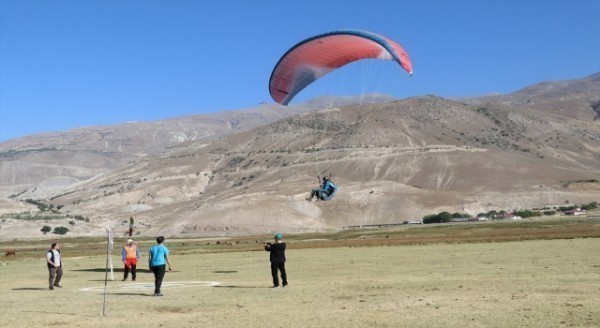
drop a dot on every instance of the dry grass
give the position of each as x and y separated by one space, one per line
445 277
489 231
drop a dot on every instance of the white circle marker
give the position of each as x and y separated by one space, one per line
150 285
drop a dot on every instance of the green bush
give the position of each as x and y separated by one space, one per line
457 215
437 218
46 229
60 230
528 214
567 208
41 206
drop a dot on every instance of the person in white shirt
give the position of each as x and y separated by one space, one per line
55 270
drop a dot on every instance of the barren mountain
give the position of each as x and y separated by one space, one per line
85 152
392 162
578 99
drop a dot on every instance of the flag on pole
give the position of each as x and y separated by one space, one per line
130 225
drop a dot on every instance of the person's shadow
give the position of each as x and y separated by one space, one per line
138 270
245 287
128 294
30 288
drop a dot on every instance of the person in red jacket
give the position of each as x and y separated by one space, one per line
130 255
277 258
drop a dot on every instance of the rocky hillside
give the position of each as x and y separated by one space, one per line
85 152
82 153
579 99
392 162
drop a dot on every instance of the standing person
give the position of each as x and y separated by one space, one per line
55 270
130 255
157 259
277 258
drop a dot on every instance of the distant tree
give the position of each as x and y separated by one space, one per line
41 206
460 215
445 217
437 218
46 229
491 214
528 213
567 208
432 218
60 230
590 206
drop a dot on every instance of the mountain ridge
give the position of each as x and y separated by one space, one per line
393 161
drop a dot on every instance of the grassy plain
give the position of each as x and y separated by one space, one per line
526 274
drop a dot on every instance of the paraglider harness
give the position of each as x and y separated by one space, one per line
328 188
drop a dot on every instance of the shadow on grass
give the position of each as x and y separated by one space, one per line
225 271
30 288
138 270
129 294
65 313
115 280
233 286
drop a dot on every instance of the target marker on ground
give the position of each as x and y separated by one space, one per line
150 285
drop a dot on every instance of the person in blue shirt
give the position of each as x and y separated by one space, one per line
325 192
158 259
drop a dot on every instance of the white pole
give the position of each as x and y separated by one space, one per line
110 245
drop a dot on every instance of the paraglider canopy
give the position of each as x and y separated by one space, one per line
314 57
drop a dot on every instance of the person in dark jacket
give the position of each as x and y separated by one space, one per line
277 258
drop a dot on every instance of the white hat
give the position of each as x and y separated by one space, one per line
130 241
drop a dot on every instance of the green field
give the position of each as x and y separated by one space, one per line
536 274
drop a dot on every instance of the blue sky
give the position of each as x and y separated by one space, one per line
66 64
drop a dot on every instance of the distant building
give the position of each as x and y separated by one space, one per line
506 216
461 219
503 216
413 222
576 211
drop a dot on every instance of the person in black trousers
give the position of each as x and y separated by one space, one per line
277 258
55 270
158 258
